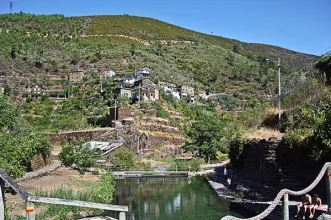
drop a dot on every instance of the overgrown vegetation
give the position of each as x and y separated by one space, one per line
19 143
123 158
78 155
101 192
193 165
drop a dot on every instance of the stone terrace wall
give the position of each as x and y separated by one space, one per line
86 135
273 163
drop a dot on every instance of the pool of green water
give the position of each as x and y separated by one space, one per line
170 198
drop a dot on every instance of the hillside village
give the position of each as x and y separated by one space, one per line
99 97
130 87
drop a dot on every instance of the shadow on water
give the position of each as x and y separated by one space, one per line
170 198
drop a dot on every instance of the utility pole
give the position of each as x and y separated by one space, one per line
115 112
279 88
11 7
279 91
139 97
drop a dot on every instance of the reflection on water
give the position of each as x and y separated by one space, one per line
170 198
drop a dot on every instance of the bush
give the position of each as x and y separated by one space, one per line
67 156
221 157
195 164
123 157
185 165
293 137
81 156
161 113
237 147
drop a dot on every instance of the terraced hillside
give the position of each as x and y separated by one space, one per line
45 49
152 29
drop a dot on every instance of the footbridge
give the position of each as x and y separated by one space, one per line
282 197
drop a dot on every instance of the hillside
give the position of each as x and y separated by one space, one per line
152 29
48 48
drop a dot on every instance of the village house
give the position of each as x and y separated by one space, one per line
56 93
143 73
126 92
170 89
35 91
167 86
129 80
76 76
148 90
186 90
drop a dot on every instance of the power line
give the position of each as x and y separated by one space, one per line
326 51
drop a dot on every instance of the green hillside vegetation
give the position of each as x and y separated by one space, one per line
152 29
209 62
55 46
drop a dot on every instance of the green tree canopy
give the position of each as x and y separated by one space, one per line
205 134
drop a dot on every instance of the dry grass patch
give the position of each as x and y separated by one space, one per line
263 133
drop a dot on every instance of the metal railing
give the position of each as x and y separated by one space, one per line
30 200
174 168
284 193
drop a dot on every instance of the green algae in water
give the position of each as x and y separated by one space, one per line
170 198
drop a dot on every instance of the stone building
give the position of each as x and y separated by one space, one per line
143 73
120 114
126 92
186 90
148 90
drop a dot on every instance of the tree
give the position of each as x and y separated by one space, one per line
13 53
324 66
230 58
205 135
236 48
8 113
81 156
133 49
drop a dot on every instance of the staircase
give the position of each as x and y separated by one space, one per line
287 175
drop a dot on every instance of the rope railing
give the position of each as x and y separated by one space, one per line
285 193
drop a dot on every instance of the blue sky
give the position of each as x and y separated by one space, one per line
300 25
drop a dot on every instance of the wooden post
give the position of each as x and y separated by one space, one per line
2 199
122 216
286 215
328 188
30 215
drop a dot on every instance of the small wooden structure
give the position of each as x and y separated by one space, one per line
30 200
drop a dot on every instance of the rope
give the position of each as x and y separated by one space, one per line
279 196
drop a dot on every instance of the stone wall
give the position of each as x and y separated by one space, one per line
273 163
86 135
39 161
146 144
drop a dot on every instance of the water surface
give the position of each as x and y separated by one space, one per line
170 198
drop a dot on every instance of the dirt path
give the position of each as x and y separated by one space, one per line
60 177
